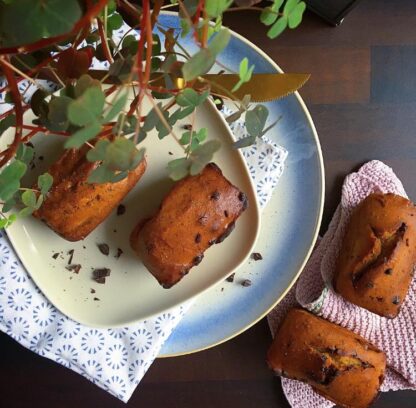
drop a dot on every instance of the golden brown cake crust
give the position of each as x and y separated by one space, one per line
377 257
339 364
73 207
198 212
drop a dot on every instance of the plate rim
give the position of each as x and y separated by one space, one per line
318 215
214 111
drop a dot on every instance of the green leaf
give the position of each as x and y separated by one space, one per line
268 16
219 41
39 202
24 153
128 122
185 139
114 22
87 108
84 82
295 17
58 112
178 168
3 223
83 135
181 113
290 6
256 120
152 119
8 121
118 105
191 98
42 19
8 205
245 74
200 63
100 175
99 151
122 154
45 182
10 179
185 26
215 8
278 27
29 198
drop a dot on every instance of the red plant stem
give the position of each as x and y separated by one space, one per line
90 14
18 108
104 42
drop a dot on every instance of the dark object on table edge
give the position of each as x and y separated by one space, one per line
333 11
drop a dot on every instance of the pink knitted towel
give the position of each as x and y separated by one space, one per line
396 337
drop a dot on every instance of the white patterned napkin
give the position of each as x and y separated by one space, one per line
113 359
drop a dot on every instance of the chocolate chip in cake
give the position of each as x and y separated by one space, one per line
212 242
243 198
74 268
54 256
407 242
71 255
197 260
388 271
395 300
203 219
369 285
257 256
104 249
230 278
226 214
198 238
246 282
215 195
380 299
121 209
119 253
402 228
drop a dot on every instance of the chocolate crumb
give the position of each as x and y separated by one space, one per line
395 300
96 299
230 278
257 256
170 153
30 144
104 249
121 209
54 256
246 282
198 238
215 195
222 289
187 127
84 247
101 272
71 255
92 290
41 158
119 253
114 230
74 268
388 271
100 280
197 260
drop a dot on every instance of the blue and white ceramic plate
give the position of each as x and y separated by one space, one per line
289 228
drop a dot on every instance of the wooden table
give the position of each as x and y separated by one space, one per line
362 97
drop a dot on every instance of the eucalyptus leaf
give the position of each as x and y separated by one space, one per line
45 182
8 205
244 142
7 122
83 135
58 113
178 168
116 108
99 151
83 83
256 120
29 198
24 153
87 108
10 179
25 212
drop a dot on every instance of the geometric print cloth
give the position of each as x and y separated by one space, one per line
113 359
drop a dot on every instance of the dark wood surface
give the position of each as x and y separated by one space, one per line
362 97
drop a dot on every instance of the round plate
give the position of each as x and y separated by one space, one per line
290 222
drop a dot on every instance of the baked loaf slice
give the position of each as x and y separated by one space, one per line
74 207
198 212
377 257
337 363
